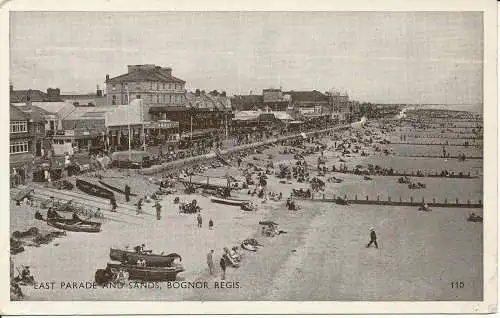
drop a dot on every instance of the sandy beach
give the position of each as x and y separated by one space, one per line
321 257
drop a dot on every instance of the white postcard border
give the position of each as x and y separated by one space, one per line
262 307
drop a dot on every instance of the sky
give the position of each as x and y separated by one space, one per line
381 57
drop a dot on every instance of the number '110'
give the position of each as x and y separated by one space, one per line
457 284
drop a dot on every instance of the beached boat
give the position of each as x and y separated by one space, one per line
228 201
75 225
152 260
151 274
94 189
113 188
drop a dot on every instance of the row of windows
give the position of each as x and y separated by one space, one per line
19 147
18 126
154 86
163 98
158 86
167 98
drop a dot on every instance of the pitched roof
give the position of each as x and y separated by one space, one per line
89 113
208 101
21 95
33 112
61 109
17 114
145 75
246 102
307 96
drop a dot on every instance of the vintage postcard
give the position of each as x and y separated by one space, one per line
221 158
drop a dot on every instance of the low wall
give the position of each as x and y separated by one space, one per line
178 164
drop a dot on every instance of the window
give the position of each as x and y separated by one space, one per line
157 99
113 87
164 85
169 86
126 86
19 147
18 126
38 128
170 98
138 96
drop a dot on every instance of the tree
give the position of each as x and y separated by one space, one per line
223 94
197 92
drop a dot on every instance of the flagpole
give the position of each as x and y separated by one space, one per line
129 133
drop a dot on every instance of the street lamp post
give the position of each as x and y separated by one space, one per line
143 130
129 133
225 120
191 135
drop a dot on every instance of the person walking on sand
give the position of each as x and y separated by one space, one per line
112 201
210 224
373 238
222 264
158 210
127 193
139 206
200 220
210 262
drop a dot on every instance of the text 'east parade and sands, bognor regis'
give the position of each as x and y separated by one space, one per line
136 285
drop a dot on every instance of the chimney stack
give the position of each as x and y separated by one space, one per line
167 70
11 88
107 78
98 91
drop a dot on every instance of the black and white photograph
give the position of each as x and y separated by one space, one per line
200 156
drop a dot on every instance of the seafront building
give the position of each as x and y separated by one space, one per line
154 106
26 137
155 85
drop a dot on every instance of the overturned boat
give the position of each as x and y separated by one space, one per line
94 189
75 225
116 189
229 201
152 260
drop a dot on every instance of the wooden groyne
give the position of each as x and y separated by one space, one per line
473 145
445 137
399 202
437 156
412 173
179 164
